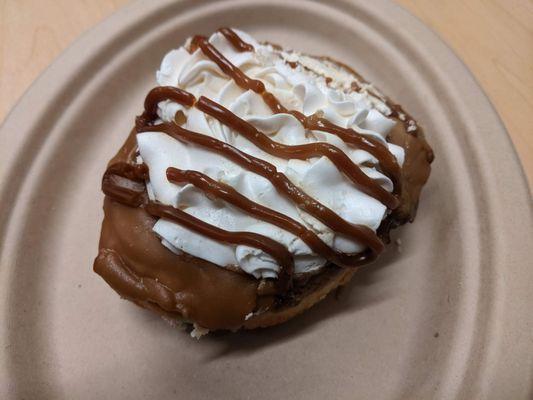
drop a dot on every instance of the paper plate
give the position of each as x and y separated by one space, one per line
450 316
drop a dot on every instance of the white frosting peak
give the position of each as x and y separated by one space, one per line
297 88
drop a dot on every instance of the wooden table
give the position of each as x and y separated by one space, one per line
493 37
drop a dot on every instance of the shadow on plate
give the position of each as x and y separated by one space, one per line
360 293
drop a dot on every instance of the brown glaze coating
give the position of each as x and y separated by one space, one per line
415 170
134 263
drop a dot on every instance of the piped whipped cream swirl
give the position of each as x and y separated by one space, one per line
301 83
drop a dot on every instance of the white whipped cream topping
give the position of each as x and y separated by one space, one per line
302 89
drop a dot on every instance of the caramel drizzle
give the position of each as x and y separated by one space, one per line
235 40
305 202
386 159
282 256
301 152
231 196
121 180
125 183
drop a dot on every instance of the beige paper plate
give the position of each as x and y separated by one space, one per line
448 317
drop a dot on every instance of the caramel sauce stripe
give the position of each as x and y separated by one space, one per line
360 233
230 195
282 256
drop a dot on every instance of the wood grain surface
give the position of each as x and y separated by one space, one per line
493 37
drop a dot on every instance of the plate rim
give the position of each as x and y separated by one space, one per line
109 30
